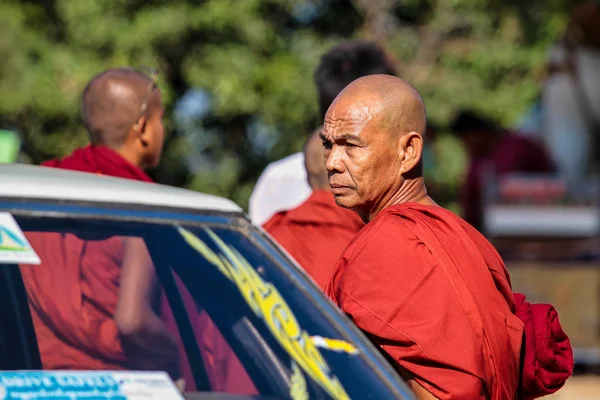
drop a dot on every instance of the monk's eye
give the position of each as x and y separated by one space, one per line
327 145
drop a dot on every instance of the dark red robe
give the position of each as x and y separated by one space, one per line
225 372
435 297
74 292
74 300
315 233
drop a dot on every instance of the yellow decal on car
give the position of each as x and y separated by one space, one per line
334 345
298 389
268 304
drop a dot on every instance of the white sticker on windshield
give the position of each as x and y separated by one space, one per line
99 385
14 247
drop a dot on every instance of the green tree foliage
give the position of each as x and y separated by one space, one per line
255 60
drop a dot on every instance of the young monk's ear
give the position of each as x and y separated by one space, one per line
412 146
140 129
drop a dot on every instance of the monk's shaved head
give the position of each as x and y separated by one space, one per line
313 162
111 105
395 105
373 138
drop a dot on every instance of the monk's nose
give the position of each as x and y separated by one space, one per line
333 161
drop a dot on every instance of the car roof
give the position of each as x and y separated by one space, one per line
34 182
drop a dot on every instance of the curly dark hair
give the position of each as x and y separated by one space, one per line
469 120
345 63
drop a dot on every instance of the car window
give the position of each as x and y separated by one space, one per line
222 317
18 346
223 369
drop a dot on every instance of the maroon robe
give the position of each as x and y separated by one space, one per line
315 233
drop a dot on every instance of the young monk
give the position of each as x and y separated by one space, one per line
316 232
423 284
91 301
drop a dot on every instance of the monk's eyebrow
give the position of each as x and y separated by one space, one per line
348 137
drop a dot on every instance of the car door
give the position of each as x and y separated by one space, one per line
246 322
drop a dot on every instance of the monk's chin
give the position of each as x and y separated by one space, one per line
343 201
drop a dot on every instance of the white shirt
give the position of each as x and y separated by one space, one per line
281 186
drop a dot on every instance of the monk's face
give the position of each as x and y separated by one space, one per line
361 157
154 132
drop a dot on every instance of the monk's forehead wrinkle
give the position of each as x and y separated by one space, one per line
339 128
348 121
354 116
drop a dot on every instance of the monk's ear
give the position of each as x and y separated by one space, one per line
140 129
412 146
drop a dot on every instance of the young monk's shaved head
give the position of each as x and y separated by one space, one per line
373 138
111 105
313 162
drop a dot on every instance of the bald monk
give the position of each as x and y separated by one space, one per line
316 232
424 285
91 300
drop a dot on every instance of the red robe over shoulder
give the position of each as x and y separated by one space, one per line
315 233
73 293
435 297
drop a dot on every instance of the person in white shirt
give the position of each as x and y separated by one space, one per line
283 184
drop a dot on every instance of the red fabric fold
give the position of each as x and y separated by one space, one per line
225 372
99 160
548 360
434 295
315 233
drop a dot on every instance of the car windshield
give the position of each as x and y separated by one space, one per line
224 314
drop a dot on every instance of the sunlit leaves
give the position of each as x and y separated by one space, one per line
255 59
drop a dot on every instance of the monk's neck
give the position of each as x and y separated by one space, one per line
129 156
412 191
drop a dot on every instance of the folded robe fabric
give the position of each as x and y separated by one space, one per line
434 295
315 233
99 160
548 360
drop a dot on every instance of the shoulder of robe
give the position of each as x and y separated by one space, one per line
385 230
275 222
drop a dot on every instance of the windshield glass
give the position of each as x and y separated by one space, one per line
202 301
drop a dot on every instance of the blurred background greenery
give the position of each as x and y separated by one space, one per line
237 74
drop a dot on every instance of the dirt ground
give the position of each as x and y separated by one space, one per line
584 387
